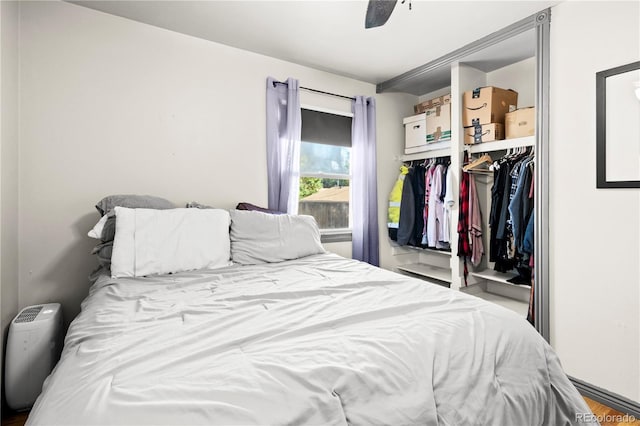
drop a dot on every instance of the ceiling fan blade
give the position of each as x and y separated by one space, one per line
378 12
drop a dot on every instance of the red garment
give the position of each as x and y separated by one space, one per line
427 190
464 249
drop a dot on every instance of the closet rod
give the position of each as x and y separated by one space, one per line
425 159
316 91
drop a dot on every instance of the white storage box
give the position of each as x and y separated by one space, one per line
415 133
33 348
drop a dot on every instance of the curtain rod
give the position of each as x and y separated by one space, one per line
316 91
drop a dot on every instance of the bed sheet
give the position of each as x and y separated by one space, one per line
318 340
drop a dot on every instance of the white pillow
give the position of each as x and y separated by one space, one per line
96 232
150 241
258 237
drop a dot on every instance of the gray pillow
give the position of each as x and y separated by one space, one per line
103 253
109 229
107 204
258 237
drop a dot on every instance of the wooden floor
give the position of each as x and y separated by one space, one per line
609 416
14 419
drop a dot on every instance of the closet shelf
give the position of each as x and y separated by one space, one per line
428 271
434 251
503 144
437 149
491 275
398 250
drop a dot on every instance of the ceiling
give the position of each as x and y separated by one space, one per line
330 35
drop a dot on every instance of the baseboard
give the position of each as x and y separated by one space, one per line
610 399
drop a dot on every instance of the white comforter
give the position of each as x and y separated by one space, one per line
319 340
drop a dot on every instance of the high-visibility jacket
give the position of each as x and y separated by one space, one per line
395 197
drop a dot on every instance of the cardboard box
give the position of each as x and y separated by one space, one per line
520 123
486 105
439 122
432 103
483 133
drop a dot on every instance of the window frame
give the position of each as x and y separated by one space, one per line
337 234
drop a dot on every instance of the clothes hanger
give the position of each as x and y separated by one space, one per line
485 158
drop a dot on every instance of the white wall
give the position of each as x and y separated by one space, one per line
518 77
9 11
595 233
390 148
109 106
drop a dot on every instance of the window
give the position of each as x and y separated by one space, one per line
325 174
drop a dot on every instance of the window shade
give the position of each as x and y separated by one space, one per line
325 128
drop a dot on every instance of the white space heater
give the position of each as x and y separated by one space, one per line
33 348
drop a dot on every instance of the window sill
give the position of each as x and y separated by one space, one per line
335 235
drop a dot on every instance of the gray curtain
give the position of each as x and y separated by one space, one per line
284 125
364 191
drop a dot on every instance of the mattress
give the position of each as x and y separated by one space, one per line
317 340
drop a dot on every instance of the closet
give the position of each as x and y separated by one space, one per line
513 58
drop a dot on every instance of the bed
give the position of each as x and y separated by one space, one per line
318 339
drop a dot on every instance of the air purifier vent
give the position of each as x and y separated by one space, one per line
29 314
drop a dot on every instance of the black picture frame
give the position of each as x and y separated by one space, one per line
601 128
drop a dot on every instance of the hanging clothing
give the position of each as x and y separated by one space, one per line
418 184
407 211
425 210
527 204
511 207
395 198
527 245
448 205
475 224
423 220
520 207
499 175
443 223
443 192
436 210
464 248
529 248
503 238
428 178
